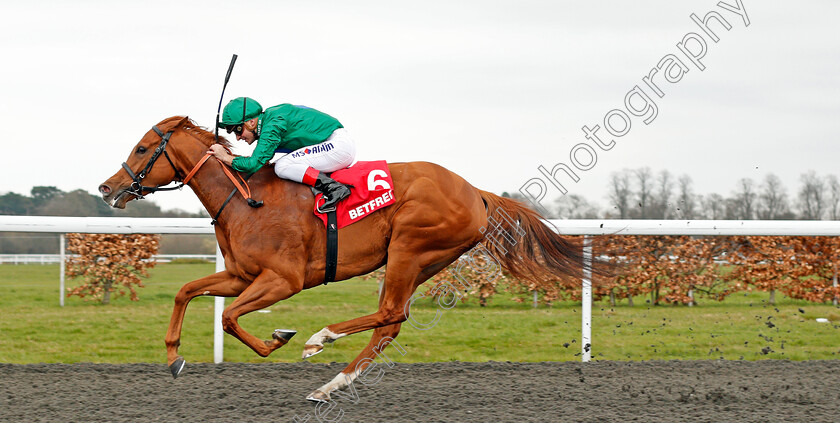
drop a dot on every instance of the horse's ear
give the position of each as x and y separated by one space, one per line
179 122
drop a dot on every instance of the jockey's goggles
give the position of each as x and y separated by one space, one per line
236 129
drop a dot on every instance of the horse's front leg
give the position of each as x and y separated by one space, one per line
222 284
267 289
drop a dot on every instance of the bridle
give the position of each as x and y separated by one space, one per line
136 189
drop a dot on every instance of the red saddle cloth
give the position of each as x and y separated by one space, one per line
372 190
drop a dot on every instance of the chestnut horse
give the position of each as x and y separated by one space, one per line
275 251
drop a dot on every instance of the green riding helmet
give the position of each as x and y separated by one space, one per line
239 110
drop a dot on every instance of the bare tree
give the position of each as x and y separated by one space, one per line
619 193
732 210
833 197
662 196
812 198
575 207
714 207
686 200
744 199
772 199
644 179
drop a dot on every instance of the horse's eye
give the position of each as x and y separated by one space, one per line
141 150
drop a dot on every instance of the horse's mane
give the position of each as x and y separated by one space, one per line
203 134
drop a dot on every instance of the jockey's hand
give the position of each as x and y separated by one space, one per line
221 153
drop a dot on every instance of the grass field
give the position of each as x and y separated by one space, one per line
34 328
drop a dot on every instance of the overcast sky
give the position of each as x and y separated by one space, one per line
489 89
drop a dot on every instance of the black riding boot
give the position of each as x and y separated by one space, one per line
333 190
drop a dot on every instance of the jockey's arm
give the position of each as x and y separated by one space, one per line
271 136
263 152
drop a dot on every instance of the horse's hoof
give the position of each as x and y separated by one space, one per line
310 350
318 396
283 334
177 367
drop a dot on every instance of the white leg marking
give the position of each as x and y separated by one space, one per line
340 381
324 335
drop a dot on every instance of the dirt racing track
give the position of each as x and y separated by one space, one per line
674 391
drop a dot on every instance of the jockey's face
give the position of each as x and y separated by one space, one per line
245 131
246 135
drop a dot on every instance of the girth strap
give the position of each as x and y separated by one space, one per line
332 247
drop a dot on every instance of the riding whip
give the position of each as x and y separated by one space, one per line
251 202
227 78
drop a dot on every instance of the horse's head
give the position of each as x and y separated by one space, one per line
149 166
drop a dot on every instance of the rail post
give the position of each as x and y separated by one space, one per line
219 306
61 266
586 301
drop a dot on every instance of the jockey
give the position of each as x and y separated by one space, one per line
313 143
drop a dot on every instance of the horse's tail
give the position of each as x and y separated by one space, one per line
527 247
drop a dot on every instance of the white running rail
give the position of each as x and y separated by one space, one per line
128 225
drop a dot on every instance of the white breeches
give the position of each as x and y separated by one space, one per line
336 152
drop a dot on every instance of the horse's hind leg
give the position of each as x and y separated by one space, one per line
405 272
267 289
402 277
222 284
381 338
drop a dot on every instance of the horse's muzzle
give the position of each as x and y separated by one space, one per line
114 197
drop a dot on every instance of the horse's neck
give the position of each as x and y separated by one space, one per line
209 183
